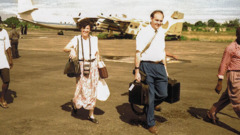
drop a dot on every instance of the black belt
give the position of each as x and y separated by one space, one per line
154 62
88 60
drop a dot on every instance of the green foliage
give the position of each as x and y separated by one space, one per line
12 21
102 36
200 24
183 38
212 23
232 23
186 25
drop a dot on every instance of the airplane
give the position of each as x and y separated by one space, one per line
127 27
131 27
26 8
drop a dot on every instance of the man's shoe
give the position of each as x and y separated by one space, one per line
157 108
153 130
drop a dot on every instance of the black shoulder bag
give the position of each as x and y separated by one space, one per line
72 67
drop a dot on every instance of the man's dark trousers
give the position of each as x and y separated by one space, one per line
158 82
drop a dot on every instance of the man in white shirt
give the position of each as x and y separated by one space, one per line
151 60
5 64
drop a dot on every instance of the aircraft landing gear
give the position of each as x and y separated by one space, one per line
60 32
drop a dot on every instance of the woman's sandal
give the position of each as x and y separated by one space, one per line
74 108
212 117
4 104
94 120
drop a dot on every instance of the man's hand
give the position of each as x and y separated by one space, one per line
219 86
137 76
11 64
174 57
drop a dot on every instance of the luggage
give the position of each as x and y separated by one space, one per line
138 93
173 91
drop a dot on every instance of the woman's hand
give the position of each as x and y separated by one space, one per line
72 54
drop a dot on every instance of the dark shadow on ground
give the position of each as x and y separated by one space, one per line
10 95
200 113
81 113
128 116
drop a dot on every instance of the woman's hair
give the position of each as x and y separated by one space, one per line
84 23
156 11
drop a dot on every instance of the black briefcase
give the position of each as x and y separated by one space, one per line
138 93
173 91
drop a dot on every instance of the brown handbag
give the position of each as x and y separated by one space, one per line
102 70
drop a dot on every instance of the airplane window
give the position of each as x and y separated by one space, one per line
136 27
131 26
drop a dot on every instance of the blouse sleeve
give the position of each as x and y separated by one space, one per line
73 42
226 59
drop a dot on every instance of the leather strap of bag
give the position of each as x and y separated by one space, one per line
148 45
90 49
78 49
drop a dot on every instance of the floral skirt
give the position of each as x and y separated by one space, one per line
85 94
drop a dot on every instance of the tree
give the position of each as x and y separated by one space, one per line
212 23
232 23
186 25
12 20
200 24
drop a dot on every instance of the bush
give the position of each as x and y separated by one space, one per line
102 36
183 38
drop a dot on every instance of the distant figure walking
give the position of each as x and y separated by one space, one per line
14 37
25 29
231 64
22 29
5 64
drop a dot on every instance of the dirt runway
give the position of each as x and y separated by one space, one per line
39 94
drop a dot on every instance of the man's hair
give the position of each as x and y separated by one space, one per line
84 23
156 11
238 31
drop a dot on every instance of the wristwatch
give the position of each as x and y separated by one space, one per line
136 67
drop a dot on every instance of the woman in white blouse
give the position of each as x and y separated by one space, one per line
85 94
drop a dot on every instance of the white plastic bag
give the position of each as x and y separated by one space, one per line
102 90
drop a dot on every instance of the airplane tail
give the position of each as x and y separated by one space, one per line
25 9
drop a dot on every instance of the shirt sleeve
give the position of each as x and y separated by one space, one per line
139 41
226 59
6 41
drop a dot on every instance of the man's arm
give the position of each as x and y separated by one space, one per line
137 64
171 55
9 53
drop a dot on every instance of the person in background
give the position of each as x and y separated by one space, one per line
14 36
5 64
230 63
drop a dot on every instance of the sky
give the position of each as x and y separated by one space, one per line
194 10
